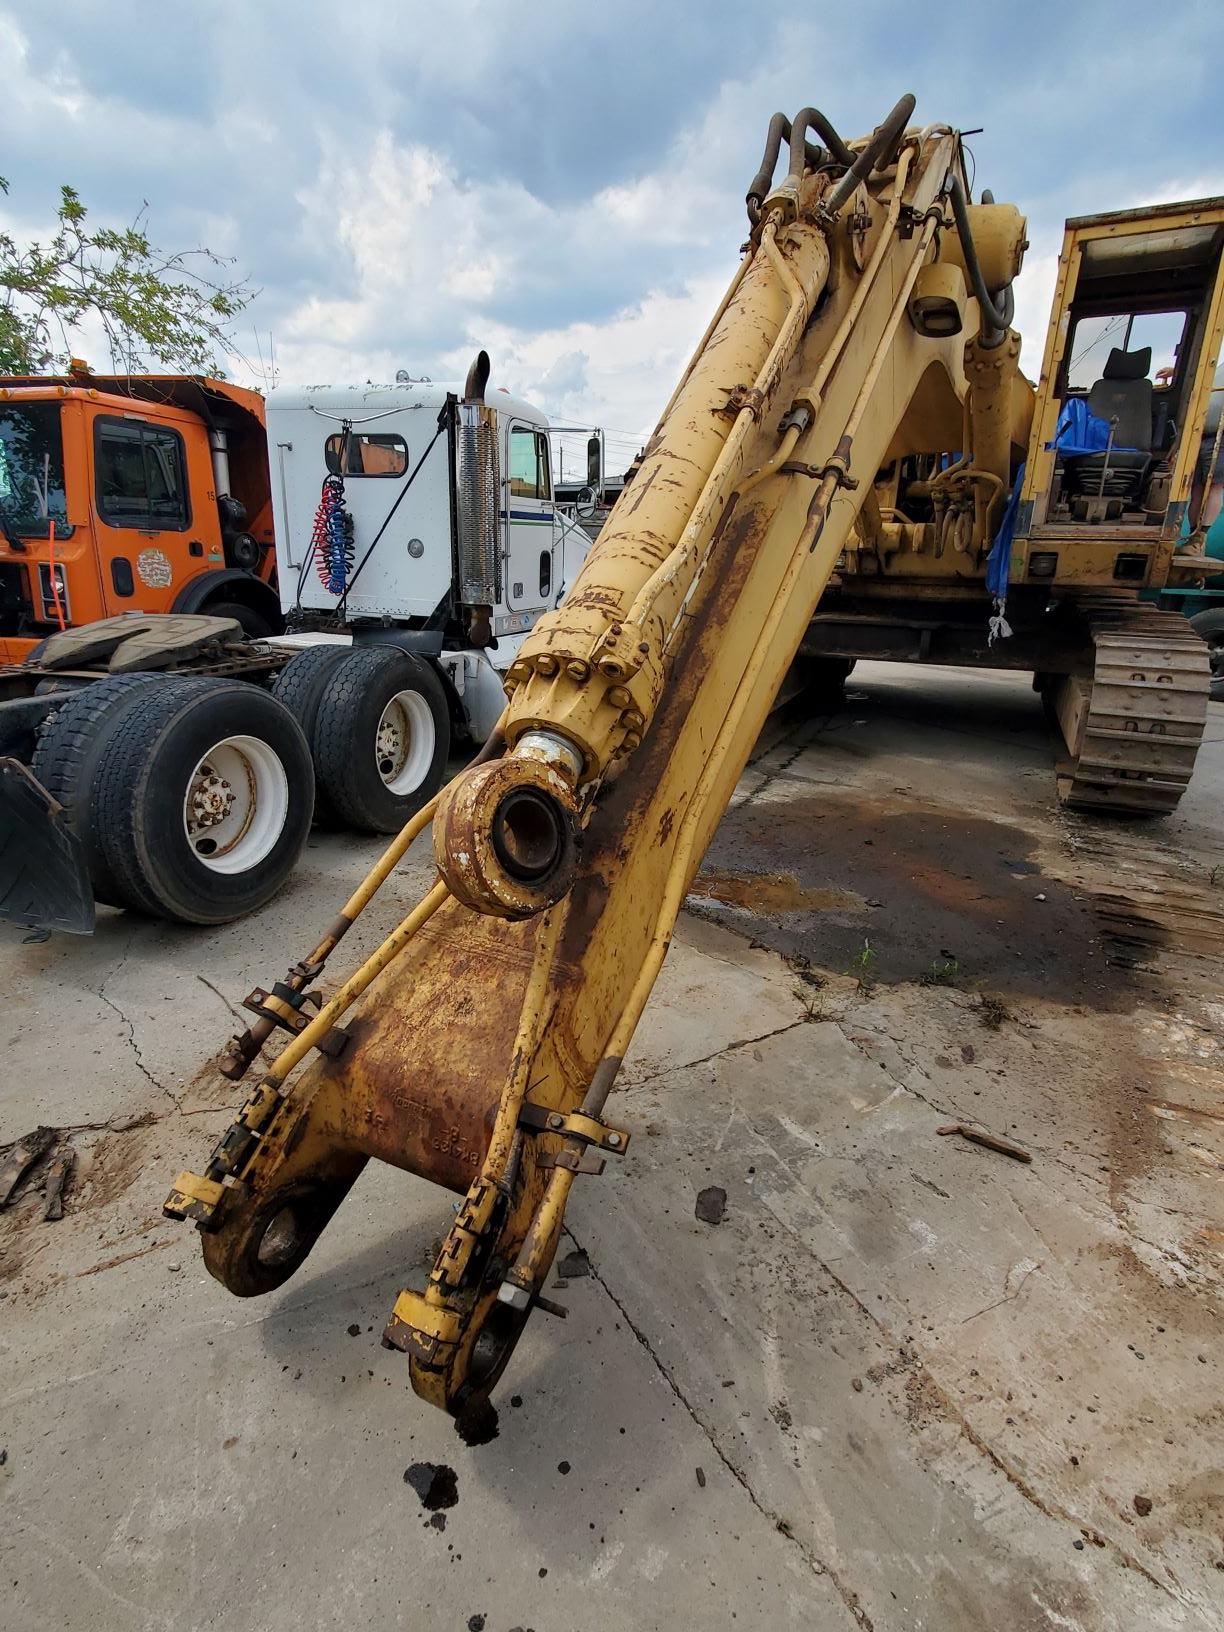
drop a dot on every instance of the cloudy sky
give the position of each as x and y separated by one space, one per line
558 182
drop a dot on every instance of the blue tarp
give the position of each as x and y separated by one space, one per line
998 562
1080 431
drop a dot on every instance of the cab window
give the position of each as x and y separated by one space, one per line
1093 338
378 454
140 475
529 473
32 467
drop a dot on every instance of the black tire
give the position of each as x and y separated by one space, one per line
1210 624
254 624
346 733
300 686
143 784
71 745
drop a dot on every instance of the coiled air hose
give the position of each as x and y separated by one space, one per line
331 542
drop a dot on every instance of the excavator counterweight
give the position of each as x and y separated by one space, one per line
867 322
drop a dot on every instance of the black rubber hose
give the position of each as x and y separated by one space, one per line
997 317
877 151
812 119
780 130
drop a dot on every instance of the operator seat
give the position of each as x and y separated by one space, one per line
1124 391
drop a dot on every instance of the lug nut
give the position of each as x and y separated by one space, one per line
556 1121
546 665
619 697
577 670
613 1141
632 740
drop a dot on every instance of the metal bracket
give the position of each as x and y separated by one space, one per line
587 1130
741 397
909 219
574 1161
283 1006
795 467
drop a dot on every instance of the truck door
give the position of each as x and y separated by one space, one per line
142 502
528 578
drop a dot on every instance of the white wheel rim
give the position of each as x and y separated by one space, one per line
236 805
404 743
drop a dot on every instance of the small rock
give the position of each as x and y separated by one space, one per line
711 1204
574 1265
476 1623
354 1330
1142 1505
1078 1544
968 1053
174 1268
856 1383
1039 898
701 1477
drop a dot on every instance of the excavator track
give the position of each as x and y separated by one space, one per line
1133 730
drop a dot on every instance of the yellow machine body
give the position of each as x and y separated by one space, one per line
479 1046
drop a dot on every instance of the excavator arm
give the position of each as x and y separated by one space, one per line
479 1046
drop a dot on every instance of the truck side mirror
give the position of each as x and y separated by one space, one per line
594 463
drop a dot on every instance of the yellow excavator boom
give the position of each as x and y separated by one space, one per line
478 1047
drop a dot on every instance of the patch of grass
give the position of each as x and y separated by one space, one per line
863 968
1215 876
942 972
813 1008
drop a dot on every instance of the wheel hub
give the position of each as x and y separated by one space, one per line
211 798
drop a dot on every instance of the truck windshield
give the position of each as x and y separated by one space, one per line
31 466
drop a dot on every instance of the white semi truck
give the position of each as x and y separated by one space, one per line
418 520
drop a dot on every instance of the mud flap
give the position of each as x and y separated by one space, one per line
44 882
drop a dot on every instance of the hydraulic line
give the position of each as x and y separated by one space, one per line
331 1013
242 1050
782 130
995 319
874 155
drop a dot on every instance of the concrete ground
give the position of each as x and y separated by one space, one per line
906 1383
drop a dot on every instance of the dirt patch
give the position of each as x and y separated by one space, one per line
925 887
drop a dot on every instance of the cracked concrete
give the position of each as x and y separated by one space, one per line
924 1384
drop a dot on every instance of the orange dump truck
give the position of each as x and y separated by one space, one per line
131 494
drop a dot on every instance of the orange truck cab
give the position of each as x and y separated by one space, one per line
132 493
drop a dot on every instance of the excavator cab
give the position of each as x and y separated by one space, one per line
1130 354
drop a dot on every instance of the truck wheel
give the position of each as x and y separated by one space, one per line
70 747
381 738
254 625
1210 624
300 686
203 801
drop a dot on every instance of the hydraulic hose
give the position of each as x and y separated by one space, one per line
995 319
876 153
802 152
